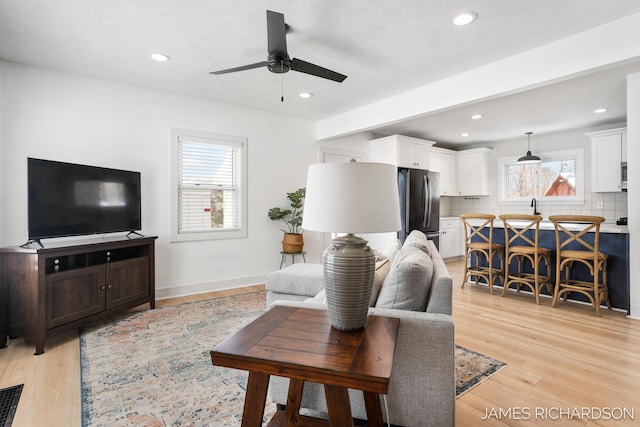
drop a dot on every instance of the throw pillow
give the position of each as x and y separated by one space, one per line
407 285
382 269
418 239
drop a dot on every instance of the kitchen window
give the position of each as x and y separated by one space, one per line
208 186
559 178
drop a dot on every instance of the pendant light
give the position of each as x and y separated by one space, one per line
529 158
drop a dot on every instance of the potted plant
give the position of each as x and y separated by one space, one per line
292 242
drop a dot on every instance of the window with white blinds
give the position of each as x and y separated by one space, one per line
209 176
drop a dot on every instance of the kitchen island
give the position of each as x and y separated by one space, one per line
614 242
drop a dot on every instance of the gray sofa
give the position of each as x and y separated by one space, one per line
422 384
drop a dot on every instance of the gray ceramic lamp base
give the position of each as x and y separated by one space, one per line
349 268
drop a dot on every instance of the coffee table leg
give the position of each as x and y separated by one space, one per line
293 401
338 406
374 411
255 399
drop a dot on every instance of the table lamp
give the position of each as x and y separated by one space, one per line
350 198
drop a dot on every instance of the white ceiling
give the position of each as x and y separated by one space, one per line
385 48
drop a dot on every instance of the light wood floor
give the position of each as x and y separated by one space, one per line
559 359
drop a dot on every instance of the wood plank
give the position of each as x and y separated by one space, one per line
340 363
303 346
294 398
241 342
374 410
375 354
255 399
338 405
330 336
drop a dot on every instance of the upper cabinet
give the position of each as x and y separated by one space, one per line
472 172
608 150
462 173
402 151
444 161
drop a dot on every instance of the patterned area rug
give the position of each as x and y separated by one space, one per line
153 367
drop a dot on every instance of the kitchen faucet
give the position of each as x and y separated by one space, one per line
534 205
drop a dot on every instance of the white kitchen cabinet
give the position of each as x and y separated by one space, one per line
472 172
444 162
458 238
451 239
446 235
402 151
608 150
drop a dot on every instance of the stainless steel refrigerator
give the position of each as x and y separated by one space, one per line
419 202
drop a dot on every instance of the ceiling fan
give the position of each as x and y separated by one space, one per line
278 60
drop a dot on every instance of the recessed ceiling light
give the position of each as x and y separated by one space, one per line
465 18
476 116
600 110
160 57
305 95
464 134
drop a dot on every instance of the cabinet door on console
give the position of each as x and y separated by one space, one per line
127 280
73 295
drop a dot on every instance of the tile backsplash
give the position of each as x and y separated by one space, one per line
614 206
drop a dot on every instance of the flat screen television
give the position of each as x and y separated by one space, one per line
67 199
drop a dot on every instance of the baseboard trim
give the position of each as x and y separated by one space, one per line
634 313
201 288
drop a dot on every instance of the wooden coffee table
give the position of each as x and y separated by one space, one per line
300 344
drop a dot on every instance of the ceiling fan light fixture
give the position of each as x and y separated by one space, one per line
465 18
529 158
160 57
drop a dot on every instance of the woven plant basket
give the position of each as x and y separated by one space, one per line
292 243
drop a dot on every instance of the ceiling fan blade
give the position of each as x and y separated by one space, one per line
242 68
276 33
316 70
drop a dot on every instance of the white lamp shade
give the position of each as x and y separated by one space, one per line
352 198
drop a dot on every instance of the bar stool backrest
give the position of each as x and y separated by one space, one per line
474 224
572 228
517 233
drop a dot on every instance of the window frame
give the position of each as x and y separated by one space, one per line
218 139
573 154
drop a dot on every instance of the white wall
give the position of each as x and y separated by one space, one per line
59 116
1 149
633 162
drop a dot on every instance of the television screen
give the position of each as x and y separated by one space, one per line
67 199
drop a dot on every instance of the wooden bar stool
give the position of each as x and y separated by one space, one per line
521 247
572 246
478 243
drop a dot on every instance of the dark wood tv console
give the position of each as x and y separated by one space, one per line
64 285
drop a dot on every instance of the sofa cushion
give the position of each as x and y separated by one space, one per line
297 279
382 269
406 287
320 298
418 239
